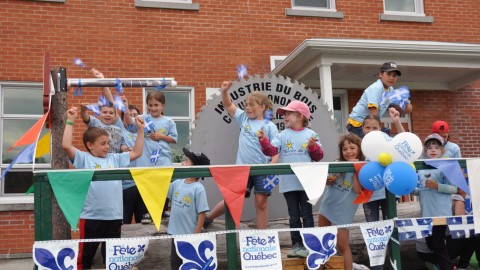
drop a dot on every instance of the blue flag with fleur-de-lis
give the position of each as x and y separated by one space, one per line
197 251
321 243
461 226
55 255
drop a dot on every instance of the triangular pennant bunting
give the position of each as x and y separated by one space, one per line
452 170
55 255
153 186
365 195
197 251
125 253
321 243
70 189
232 182
376 236
43 146
313 178
31 135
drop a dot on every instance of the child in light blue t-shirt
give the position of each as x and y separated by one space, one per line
296 143
337 207
251 120
160 131
189 204
373 99
435 192
102 214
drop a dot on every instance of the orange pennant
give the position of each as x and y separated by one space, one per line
31 135
232 182
365 195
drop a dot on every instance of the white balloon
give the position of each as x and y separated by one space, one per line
375 143
406 147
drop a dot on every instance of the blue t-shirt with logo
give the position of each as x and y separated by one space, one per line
104 198
337 204
376 95
187 201
157 153
293 147
432 202
249 149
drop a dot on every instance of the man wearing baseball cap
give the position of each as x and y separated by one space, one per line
452 150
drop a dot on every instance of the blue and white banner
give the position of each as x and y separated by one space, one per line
461 226
473 167
414 228
197 251
376 236
260 250
321 243
125 253
55 255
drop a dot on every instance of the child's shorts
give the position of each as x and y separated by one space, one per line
257 183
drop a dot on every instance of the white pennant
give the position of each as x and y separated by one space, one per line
125 253
376 236
260 250
313 177
473 169
55 255
198 251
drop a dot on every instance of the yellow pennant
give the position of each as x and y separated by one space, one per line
43 146
153 186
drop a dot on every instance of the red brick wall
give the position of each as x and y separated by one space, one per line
16 232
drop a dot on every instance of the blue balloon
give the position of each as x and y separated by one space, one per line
371 176
400 178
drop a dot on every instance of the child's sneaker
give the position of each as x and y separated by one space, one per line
146 219
302 252
293 252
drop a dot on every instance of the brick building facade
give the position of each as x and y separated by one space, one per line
200 44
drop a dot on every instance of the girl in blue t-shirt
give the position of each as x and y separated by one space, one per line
337 207
435 192
251 120
296 143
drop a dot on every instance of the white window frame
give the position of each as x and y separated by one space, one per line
191 115
418 5
16 197
331 6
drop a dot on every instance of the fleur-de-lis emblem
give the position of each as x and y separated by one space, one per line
322 250
388 229
271 239
193 259
46 259
141 248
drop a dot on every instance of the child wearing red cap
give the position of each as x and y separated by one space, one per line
452 150
296 143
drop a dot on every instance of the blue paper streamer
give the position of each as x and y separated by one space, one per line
78 90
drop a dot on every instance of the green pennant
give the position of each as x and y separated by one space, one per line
31 189
71 189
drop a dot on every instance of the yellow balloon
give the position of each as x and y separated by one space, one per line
384 159
413 165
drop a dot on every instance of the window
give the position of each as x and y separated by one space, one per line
314 8
179 105
21 107
168 4
404 7
316 4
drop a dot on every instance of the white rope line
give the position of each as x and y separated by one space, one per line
244 231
